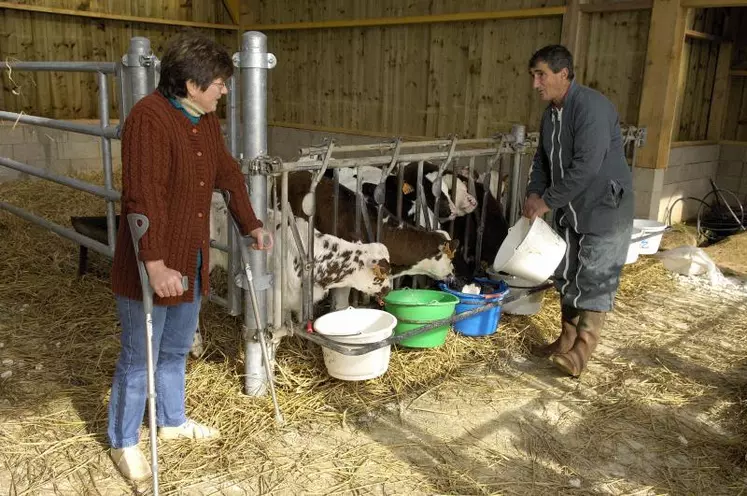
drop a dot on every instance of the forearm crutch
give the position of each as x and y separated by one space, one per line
252 300
138 226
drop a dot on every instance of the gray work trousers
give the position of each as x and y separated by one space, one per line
589 274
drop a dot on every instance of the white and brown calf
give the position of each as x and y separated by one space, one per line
337 264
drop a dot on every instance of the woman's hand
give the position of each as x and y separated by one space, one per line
263 239
164 281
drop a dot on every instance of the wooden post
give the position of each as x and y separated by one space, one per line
573 34
232 6
682 77
661 81
720 98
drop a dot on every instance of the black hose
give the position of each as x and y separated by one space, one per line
701 230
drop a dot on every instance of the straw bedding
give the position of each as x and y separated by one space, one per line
662 409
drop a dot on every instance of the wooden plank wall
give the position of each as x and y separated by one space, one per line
616 58
700 59
466 78
735 128
35 36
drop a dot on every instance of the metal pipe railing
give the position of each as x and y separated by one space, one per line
58 229
386 146
233 121
111 132
101 67
57 178
336 163
106 155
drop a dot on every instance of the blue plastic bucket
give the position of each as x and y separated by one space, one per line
483 323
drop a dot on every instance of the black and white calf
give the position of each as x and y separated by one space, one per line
450 205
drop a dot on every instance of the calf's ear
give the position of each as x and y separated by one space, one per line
450 247
381 268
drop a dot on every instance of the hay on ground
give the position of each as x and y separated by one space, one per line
61 334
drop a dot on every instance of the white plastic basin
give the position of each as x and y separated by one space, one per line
356 326
650 245
527 305
531 251
634 249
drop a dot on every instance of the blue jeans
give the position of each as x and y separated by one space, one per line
173 331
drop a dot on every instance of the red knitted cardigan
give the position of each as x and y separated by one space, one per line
169 170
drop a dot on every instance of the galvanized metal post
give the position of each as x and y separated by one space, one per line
106 154
233 298
254 62
519 133
138 73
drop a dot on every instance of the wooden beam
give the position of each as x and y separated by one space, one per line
680 144
660 81
115 17
569 35
574 35
232 6
618 6
399 21
711 4
720 97
738 73
682 77
689 33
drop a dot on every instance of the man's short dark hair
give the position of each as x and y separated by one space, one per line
192 56
557 57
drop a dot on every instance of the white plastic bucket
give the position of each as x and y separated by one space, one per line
356 326
531 251
650 246
528 305
634 249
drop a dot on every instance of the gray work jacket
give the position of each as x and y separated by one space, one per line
580 169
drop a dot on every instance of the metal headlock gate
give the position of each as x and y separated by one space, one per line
137 76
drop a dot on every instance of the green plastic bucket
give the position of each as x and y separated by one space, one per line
418 307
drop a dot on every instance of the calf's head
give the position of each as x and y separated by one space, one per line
440 265
371 268
464 203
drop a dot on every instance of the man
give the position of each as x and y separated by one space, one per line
580 172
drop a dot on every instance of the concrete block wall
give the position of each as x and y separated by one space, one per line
60 152
732 169
689 173
657 191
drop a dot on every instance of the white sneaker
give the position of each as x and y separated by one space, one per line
131 463
188 430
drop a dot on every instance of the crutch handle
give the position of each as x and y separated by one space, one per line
138 226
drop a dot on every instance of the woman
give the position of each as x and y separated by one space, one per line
173 156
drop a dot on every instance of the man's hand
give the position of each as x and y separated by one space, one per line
263 239
535 206
164 281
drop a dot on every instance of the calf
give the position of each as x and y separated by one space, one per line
218 231
337 264
412 251
463 204
495 231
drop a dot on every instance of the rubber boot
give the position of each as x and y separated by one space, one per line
589 329
564 343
